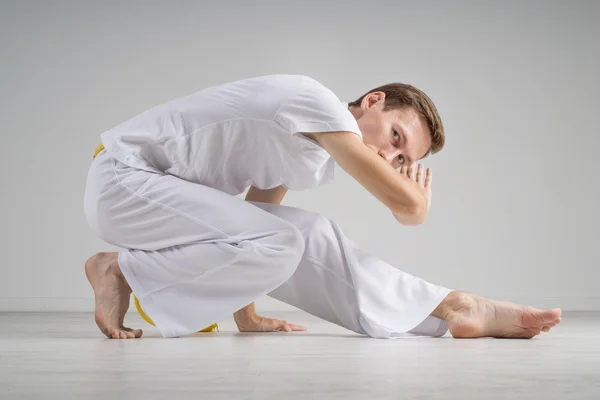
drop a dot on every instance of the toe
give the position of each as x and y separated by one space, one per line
135 333
553 314
119 334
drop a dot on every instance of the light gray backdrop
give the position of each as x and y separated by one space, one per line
515 207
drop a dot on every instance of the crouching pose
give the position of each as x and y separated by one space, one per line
163 187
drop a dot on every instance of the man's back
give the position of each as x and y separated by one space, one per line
237 134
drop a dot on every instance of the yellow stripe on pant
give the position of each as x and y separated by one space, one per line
212 328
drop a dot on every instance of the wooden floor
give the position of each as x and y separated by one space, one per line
64 356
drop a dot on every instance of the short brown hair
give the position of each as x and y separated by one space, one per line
399 96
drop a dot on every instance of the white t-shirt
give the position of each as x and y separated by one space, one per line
237 134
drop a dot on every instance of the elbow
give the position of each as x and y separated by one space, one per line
412 215
417 215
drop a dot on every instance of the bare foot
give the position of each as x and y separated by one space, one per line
471 316
112 295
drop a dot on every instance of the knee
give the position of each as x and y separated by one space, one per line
285 250
313 226
318 224
319 231
293 243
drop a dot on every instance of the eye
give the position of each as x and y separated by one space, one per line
401 159
396 134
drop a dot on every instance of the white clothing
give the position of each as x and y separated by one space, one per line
237 134
196 255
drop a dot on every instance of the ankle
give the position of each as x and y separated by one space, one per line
114 268
110 264
454 302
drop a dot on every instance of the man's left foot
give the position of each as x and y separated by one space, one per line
472 316
112 295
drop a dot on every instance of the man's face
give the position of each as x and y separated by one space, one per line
400 137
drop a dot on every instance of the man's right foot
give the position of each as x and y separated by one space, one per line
112 294
471 316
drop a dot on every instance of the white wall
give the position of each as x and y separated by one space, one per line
516 193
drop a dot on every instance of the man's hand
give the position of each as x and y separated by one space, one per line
423 180
256 323
247 321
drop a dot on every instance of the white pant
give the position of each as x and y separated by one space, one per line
196 255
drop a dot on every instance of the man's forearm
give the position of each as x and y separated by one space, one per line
272 196
394 190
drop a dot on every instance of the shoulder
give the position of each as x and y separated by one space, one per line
288 79
305 91
282 86
313 107
294 84
311 85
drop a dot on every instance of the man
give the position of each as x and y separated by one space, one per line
164 189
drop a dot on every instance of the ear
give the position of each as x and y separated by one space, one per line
373 99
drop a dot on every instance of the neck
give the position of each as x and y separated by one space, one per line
356 111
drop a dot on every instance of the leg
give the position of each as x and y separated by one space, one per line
195 255
471 316
344 285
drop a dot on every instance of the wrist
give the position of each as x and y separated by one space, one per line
245 316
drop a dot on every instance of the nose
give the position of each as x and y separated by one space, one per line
385 156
